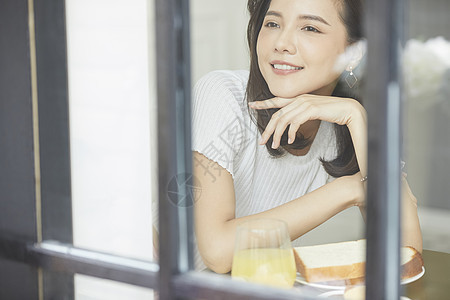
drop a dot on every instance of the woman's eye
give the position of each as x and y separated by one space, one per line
310 28
272 25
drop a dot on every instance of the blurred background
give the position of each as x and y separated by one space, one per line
112 83
427 116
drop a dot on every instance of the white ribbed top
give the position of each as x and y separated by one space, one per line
223 131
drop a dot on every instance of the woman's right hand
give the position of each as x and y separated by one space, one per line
294 112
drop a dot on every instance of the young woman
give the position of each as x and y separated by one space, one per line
283 141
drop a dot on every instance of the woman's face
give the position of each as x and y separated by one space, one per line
298 46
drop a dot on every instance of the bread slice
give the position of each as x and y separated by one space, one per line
328 262
412 262
346 261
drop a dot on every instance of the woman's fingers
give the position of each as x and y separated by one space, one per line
303 108
292 133
292 117
291 114
279 130
273 123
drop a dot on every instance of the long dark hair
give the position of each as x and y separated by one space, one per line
350 12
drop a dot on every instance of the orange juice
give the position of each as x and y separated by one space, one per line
271 266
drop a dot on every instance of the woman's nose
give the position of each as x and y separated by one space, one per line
285 42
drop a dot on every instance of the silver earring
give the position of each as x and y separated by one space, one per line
351 79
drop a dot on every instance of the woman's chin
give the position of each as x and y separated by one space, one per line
285 94
286 91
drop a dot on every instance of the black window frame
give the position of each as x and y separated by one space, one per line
37 257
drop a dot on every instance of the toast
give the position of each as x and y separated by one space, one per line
346 261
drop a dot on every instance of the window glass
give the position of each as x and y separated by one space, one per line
111 104
426 64
112 130
219 42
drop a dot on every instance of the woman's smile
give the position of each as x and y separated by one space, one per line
298 46
284 68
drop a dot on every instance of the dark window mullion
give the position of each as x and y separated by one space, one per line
52 86
205 285
168 164
51 58
67 259
382 100
17 164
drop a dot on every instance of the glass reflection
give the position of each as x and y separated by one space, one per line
255 180
426 64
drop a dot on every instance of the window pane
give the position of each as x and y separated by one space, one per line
426 73
219 42
111 104
427 117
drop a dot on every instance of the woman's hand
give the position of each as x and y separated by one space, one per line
301 109
297 111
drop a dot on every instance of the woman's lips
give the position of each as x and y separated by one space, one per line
284 68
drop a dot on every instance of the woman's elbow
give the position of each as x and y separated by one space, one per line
217 260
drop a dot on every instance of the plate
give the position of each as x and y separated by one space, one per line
341 293
414 278
341 285
331 294
326 285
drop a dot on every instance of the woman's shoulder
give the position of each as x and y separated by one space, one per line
222 87
220 126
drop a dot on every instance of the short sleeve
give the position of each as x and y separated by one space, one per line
217 120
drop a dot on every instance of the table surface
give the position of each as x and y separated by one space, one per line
435 283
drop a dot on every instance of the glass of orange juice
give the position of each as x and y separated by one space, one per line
263 253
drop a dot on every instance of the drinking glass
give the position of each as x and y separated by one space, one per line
263 253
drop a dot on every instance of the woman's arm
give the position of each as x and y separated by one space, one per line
342 111
215 220
301 109
411 233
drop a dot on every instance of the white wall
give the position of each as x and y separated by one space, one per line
219 36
